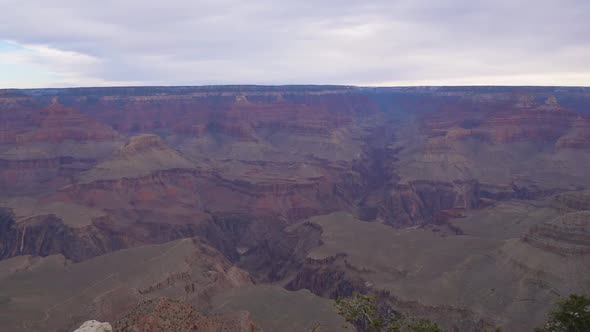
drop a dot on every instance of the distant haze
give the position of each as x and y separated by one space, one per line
376 42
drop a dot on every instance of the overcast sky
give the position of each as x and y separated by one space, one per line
55 43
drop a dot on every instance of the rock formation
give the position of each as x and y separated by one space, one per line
90 173
170 315
95 326
567 235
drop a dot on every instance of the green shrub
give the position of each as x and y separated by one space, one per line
362 311
570 315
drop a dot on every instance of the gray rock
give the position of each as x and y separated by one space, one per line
95 326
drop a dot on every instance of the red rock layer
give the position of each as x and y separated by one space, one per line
54 123
170 315
518 120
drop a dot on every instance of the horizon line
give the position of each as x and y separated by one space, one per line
296 85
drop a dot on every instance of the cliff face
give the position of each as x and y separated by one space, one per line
47 235
105 169
181 157
54 123
520 117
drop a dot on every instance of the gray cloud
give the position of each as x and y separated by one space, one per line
332 42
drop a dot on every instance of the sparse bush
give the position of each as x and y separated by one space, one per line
412 325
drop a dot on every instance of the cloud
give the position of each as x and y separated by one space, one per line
28 65
282 42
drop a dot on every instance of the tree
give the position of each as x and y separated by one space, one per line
360 310
570 315
363 312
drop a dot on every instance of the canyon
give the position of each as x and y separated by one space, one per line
254 207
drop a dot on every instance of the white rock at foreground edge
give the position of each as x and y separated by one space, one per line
95 326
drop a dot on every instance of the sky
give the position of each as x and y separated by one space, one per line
67 43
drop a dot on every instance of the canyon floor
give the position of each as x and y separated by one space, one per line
253 207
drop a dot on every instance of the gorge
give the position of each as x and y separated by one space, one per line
258 205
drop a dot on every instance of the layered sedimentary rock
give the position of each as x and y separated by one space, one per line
42 147
576 200
566 235
424 201
140 156
56 123
88 173
520 118
46 235
28 175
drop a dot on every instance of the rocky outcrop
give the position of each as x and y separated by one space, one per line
565 235
269 260
170 315
420 202
39 175
518 119
332 277
56 123
141 156
205 191
515 191
216 275
243 132
544 125
551 102
46 235
576 200
579 135
95 326
142 143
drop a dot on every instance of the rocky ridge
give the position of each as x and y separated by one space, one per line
170 315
